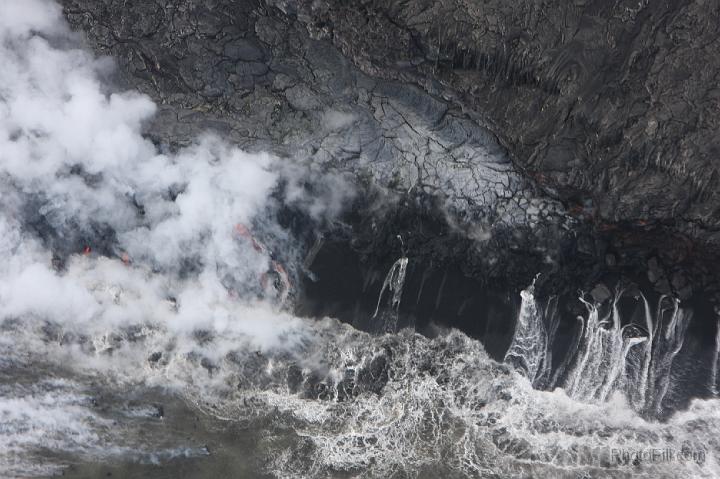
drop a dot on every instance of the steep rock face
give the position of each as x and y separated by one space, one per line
578 137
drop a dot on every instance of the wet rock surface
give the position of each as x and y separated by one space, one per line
497 140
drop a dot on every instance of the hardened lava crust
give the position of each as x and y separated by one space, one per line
506 138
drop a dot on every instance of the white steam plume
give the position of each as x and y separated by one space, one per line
76 175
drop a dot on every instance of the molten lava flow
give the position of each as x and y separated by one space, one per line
244 232
281 282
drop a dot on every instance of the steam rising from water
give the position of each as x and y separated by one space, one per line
177 232
127 268
101 231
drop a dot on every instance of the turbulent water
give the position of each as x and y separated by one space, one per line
144 327
337 402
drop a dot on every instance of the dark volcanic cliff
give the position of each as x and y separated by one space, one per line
575 136
613 102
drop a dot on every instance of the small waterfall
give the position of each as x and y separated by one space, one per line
528 351
609 360
544 377
716 358
665 347
393 284
605 356
598 371
639 370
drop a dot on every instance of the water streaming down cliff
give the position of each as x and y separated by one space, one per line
531 346
716 359
606 355
386 315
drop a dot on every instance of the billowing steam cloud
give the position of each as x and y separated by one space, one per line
98 227
113 251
